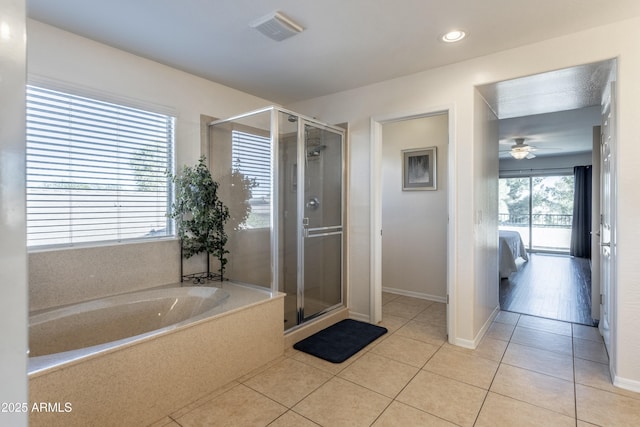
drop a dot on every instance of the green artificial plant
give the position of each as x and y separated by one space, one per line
199 213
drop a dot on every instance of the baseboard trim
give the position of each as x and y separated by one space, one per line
473 344
359 316
413 294
625 383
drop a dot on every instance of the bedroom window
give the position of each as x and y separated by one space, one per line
540 208
96 171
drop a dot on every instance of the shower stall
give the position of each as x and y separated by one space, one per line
282 176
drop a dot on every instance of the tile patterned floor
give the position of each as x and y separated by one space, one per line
527 371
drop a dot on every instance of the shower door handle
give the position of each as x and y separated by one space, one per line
305 227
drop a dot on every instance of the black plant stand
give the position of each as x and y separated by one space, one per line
201 278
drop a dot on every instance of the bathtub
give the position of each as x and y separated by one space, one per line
132 359
70 333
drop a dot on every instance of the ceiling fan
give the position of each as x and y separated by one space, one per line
520 150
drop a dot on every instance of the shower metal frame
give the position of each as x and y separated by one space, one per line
301 230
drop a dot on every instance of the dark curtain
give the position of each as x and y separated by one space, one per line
581 223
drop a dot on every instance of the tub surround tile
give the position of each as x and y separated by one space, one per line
399 414
502 411
340 402
69 276
239 406
146 381
537 389
445 398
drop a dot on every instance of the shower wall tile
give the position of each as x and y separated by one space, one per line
66 276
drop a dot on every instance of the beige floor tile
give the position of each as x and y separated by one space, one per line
542 361
164 422
584 424
405 350
547 325
204 399
292 419
418 302
339 402
399 414
261 369
606 409
425 332
590 350
388 297
488 348
502 411
395 308
541 339
289 381
392 323
436 317
500 331
316 362
535 388
443 397
469 369
239 406
597 375
507 317
586 332
380 374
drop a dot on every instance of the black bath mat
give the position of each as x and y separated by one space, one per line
340 341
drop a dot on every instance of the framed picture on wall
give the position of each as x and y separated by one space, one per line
419 169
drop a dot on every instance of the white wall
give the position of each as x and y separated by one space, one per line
414 223
513 167
68 61
13 255
454 85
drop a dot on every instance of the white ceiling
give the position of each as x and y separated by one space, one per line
348 44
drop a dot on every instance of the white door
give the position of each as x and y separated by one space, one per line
607 218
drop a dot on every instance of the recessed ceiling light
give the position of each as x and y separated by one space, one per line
453 36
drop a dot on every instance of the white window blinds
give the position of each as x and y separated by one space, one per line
96 171
252 157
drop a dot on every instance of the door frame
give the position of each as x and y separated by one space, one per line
375 292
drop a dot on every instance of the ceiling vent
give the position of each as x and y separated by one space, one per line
276 26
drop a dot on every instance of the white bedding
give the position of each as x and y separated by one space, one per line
511 248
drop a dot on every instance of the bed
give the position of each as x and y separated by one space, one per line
511 248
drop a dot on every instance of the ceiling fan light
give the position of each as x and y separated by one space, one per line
519 154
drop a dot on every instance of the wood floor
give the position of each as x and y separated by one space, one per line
551 286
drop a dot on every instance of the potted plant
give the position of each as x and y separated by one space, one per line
200 215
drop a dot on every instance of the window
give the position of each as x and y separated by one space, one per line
540 208
96 171
252 157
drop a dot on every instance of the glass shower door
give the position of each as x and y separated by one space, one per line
321 205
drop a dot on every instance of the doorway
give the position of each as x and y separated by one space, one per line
533 108
395 210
